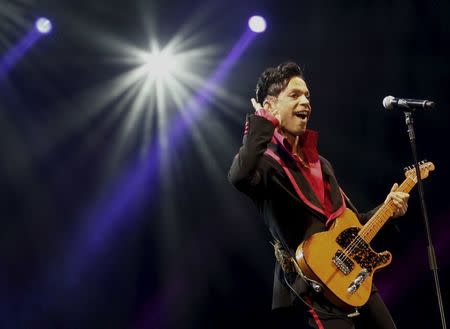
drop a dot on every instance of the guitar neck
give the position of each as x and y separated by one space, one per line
373 226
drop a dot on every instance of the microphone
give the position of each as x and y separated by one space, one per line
392 103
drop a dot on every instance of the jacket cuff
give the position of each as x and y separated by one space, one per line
267 115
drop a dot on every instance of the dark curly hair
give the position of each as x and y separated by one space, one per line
274 79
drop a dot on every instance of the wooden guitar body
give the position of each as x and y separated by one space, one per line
342 262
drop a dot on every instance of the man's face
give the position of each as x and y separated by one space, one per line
293 107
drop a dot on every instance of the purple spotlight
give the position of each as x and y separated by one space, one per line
257 24
43 25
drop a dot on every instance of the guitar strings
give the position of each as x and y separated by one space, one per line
358 241
361 236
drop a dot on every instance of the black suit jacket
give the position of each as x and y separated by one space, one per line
289 218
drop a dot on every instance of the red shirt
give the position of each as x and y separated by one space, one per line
310 166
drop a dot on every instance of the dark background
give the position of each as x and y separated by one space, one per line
178 247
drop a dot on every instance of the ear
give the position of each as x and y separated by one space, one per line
267 104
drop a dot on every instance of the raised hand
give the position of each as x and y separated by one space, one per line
268 106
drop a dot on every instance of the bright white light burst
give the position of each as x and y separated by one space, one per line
43 25
159 84
257 24
161 64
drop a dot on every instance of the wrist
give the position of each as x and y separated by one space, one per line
267 115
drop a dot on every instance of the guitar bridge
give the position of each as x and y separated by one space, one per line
358 281
342 262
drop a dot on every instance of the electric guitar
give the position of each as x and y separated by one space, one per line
341 261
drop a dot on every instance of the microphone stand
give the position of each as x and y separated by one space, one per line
431 255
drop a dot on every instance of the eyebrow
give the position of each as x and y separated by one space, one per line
298 90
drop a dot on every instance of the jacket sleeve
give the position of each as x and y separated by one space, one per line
245 172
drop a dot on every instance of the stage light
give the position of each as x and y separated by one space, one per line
43 25
161 64
257 24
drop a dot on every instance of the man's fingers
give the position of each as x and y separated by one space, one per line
400 209
400 197
394 187
397 197
255 104
404 197
399 201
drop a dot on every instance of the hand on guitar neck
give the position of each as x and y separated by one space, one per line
399 200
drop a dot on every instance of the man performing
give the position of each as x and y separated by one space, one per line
295 190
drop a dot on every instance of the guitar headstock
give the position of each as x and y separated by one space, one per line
424 167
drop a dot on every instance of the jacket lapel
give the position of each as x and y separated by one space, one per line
336 196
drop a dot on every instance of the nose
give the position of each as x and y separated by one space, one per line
304 100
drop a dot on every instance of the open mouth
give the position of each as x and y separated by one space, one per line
302 115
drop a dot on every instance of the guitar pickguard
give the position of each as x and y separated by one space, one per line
355 248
